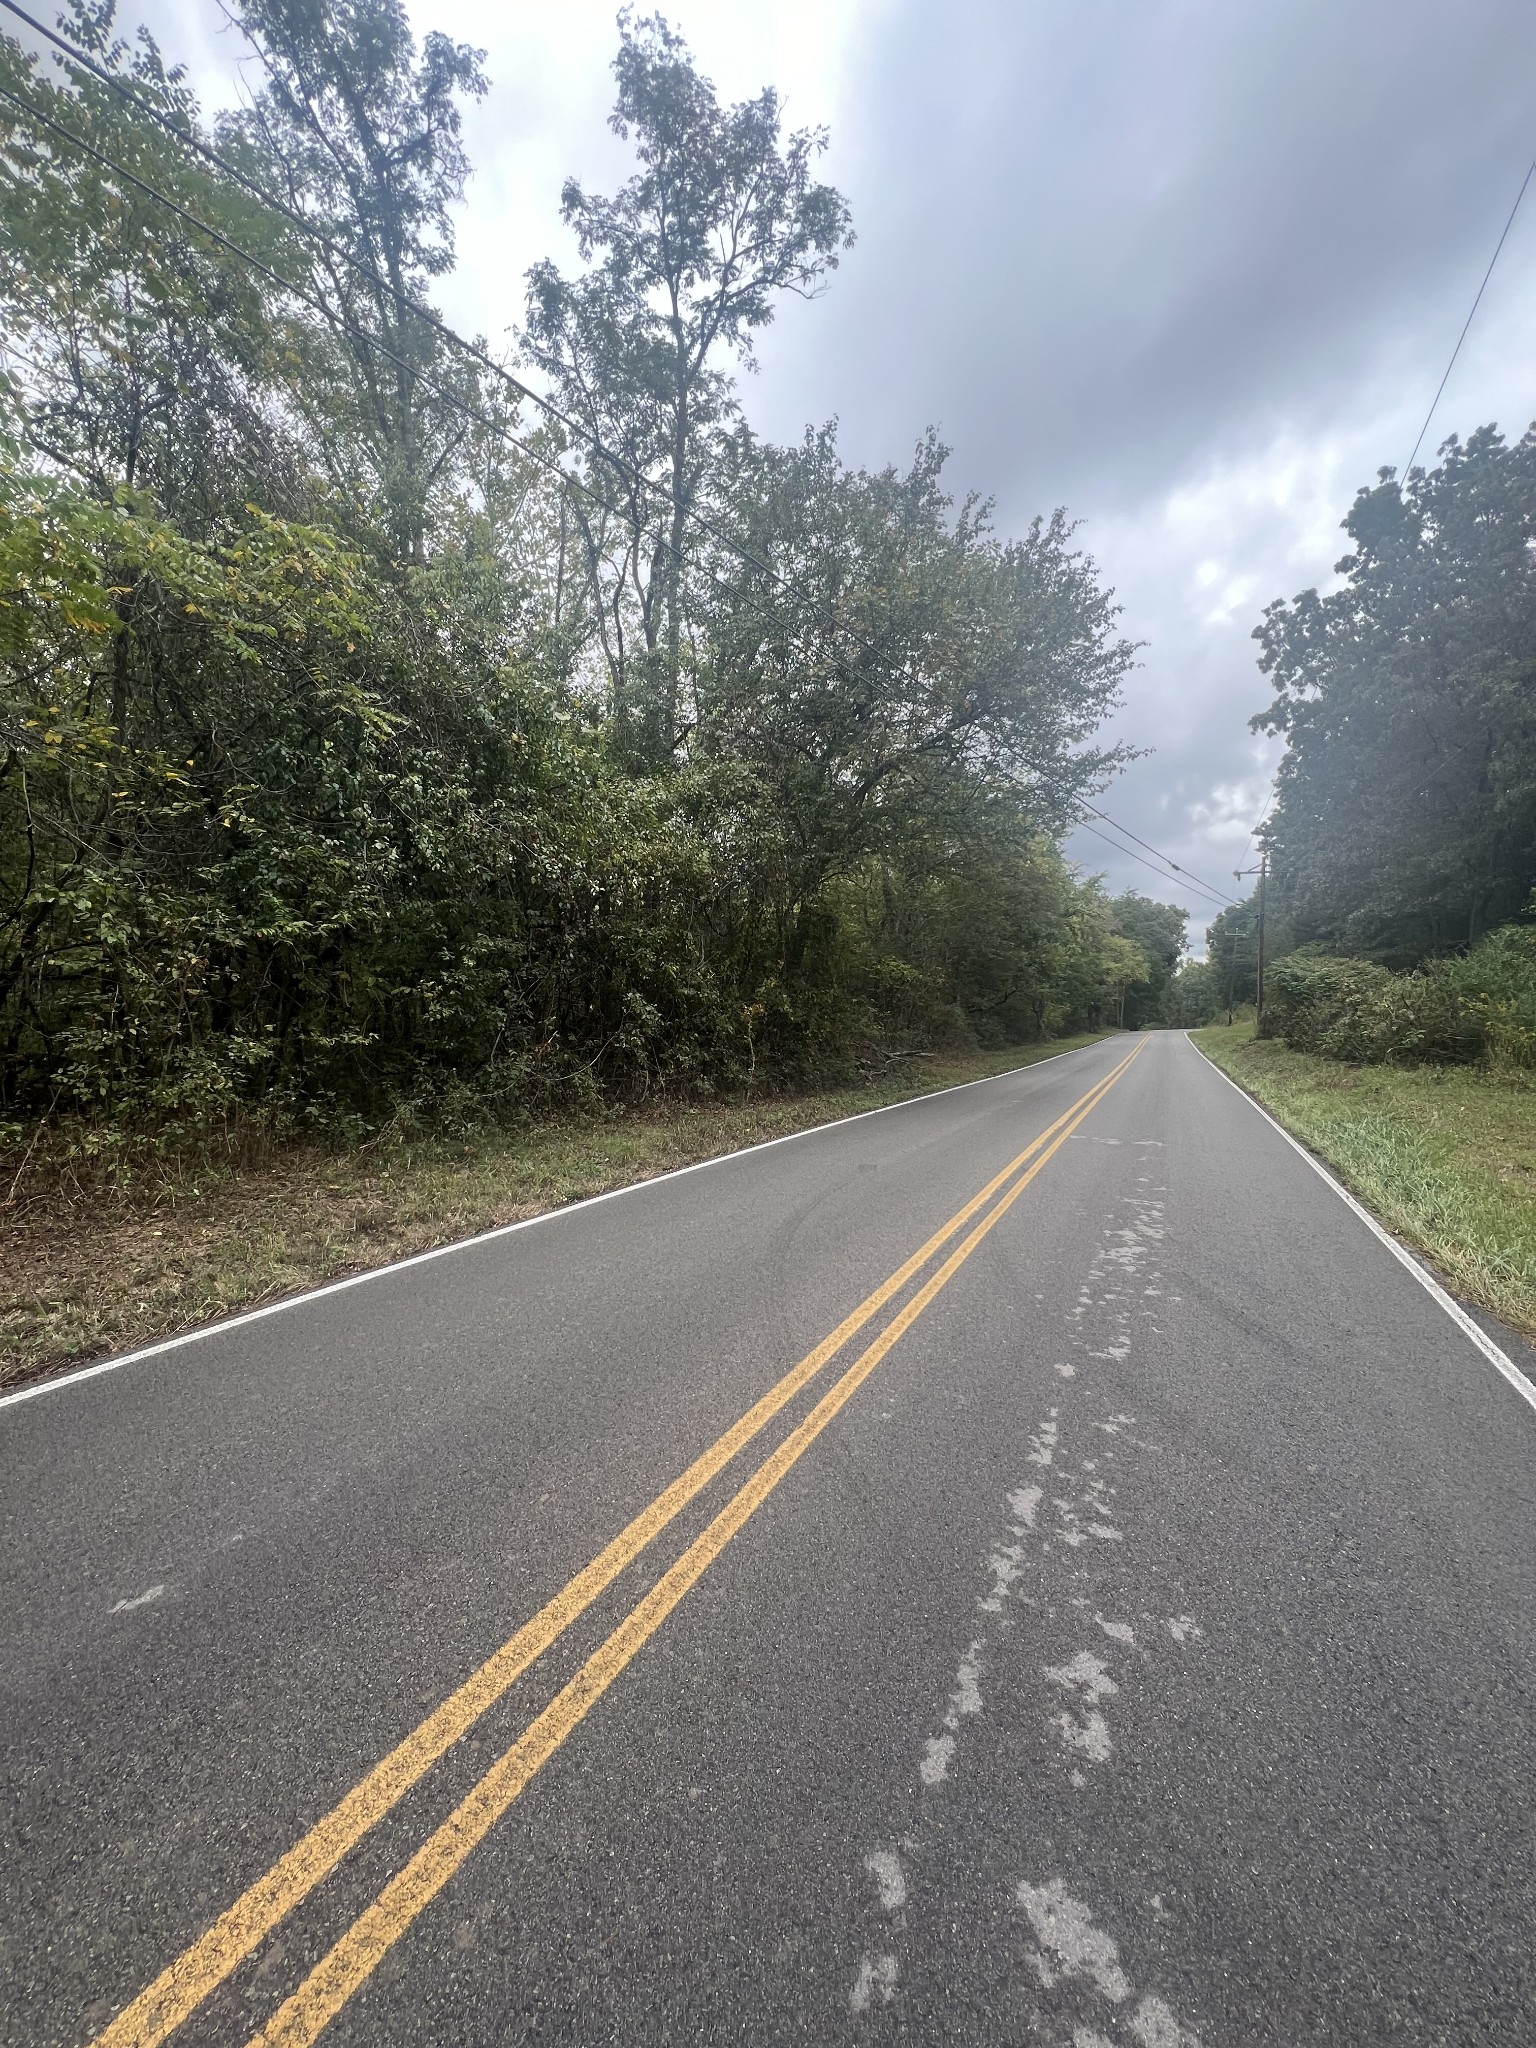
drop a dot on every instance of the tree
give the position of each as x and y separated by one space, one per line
1195 995
1158 929
309 814
888 667
1406 819
360 132
687 261
139 354
1123 965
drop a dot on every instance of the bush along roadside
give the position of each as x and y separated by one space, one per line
1480 1006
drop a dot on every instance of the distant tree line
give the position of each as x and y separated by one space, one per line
1403 836
373 739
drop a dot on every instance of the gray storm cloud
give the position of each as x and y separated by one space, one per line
1192 270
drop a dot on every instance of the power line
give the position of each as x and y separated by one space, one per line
264 269
1185 874
331 246
1456 351
1439 392
1083 826
365 270
1274 791
550 464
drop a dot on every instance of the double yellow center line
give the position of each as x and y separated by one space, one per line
183 1986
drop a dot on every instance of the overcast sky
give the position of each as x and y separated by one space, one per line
1190 268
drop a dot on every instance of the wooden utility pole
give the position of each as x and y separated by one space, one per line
1262 871
1258 1005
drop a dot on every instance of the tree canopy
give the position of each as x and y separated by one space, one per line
375 744
1406 818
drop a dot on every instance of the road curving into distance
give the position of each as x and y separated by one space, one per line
1029 1564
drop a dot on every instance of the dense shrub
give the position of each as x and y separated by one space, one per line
1496 983
1482 1004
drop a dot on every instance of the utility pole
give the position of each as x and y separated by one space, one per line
1258 1006
1262 871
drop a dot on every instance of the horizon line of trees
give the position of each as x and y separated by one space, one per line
374 742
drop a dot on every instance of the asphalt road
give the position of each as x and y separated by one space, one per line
1127 1636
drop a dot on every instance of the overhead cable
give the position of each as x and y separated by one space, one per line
1083 826
1185 874
1456 351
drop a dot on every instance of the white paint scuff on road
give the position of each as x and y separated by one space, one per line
1086 1674
967 1693
1059 1538
884 1866
1069 1943
143 1600
1023 1502
964 1700
1083 1729
1071 1948
1155 2025
877 1974
937 1751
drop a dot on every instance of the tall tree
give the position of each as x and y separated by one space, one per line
1406 821
303 811
1158 930
889 666
362 133
139 354
686 262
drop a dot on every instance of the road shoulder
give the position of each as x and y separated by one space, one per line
1436 1157
93 1270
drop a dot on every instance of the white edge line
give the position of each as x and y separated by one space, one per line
1494 1353
464 1244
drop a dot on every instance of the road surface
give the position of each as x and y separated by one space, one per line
1028 1566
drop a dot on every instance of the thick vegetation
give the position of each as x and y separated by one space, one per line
1403 841
1406 818
374 742
1477 1005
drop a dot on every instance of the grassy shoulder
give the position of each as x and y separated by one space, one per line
1445 1156
87 1275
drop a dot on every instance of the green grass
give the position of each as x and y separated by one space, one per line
1445 1156
88 1270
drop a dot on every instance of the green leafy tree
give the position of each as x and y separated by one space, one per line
687 262
920 667
1158 929
139 353
310 812
1124 965
360 131
1194 995
1406 820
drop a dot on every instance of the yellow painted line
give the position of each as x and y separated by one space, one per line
368 1940
180 1988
